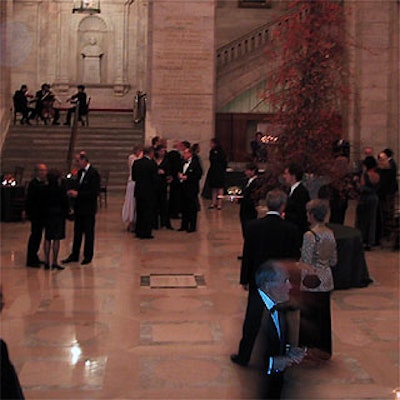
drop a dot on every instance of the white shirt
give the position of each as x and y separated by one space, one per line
293 187
186 165
251 180
84 173
275 317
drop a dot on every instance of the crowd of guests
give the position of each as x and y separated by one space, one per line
44 101
373 183
165 185
294 228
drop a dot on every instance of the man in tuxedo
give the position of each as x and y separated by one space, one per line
174 158
270 237
85 208
298 197
144 173
249 201
272 354
189 177
35 199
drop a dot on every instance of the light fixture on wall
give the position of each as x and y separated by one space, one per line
86 6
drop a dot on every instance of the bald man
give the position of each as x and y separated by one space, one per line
36 214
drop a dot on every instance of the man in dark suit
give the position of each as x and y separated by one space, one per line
298 197
21 104
79 99
272 355
189 177
266 238
175 161
144 173
85 208
249 201
35 199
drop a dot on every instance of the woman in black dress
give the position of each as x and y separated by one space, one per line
216 173
57 207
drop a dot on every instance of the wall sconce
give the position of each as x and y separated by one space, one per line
86 6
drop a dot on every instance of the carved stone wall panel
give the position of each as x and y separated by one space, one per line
181 69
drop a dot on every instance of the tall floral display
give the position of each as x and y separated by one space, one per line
306 87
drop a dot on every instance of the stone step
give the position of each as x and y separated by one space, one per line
108 141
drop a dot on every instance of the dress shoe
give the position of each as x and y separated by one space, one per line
181 229
58 267
235 359
66 123
146 237
55 123
169 227
86 261
33 265
191 230
240 257
69 259
46 266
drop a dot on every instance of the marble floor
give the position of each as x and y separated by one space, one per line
158 319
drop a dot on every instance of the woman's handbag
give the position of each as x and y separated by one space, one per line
311 281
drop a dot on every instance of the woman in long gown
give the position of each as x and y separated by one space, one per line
319 254
129 207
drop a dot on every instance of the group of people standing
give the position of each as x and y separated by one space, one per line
292 229
50 199
377 184
44 100
165 185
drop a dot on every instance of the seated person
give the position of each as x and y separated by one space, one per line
44 109
21 102
77 98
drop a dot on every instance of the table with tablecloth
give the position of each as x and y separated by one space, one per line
351 270
12 203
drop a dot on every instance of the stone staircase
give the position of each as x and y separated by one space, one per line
242 63
108 141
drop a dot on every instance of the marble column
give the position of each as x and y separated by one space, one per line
181 70
374 83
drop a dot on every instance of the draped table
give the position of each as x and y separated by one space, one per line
351 270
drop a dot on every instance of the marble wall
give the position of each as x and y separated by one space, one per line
65 49
374 59
181 70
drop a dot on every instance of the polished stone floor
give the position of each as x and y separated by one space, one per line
158 319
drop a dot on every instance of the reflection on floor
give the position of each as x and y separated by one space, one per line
158 319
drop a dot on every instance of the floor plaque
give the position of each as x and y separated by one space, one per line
172 281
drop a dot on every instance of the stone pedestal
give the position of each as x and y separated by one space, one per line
181 70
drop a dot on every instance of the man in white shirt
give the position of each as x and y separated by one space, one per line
272 354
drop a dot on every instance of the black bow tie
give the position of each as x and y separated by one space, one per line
273 309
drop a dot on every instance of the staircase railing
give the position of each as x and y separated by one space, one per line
240 48
72 138
243 46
